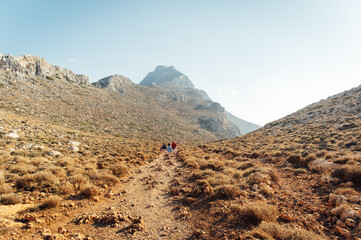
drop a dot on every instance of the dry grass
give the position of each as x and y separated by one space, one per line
286 233
51 202
350 173
10 199
227 192
89 191
252 214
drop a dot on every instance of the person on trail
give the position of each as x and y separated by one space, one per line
174 146
169 149
163 148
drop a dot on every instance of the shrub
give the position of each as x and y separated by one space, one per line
107 179
252 214
89 191
5 188
51 202
202 186
246 165
349 173
119 170
283 233
78 181
227 192
10 199
66 188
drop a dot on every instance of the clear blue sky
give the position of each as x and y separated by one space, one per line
261 59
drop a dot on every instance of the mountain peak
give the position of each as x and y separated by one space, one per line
114 83
163 76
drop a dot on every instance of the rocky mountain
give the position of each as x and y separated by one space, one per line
28 67
182 87
167 75
115 83
30 86
244 126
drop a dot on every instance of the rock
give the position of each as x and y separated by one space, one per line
115 83
359 226
347 213
28 66
54 153
350 222
257 178
342 232
322 166
12 135
61 230
30 217
286 217
340 223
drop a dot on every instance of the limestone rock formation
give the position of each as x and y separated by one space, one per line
29 67
163 75
115 83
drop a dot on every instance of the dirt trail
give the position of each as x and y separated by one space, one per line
144 200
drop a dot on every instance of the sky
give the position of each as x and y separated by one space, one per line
261 59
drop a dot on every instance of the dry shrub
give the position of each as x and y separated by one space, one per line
78 181
198 174
37 161
191 163
245 166
22 169
202 186
227 192
37 181
345 191
212 164
270 172
51 202
105 179
5 188
119 170
349 173
252 214
66 188
89 191
284 233
10 199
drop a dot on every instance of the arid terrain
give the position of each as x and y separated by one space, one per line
75 165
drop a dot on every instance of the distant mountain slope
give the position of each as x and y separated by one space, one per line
162 75
30 86
244 126
173 80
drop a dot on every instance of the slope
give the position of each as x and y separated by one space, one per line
296 178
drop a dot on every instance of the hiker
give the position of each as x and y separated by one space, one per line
174 146
163 148
169 149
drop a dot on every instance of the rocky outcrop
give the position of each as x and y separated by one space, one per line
115 83
29 67
167 76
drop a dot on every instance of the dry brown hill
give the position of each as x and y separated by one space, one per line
32 87
296 178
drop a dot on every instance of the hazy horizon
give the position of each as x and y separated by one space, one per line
262 60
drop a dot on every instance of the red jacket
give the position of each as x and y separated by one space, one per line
174 145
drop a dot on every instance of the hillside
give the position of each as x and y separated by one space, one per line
296 178
32 87
182 88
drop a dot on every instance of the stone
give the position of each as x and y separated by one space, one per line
61 230
342 232
30 217
54 153
359 226
350 222
12 135
340 223
28 66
